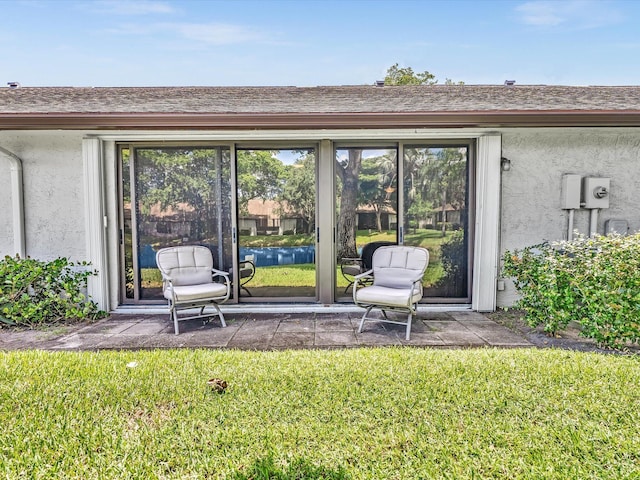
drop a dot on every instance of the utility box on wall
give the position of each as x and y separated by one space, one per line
595 192
571 187
621 227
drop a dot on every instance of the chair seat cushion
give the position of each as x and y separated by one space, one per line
245 272
194 293
387 296
351 269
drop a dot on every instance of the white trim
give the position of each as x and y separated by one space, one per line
485 260
325 217
293 135
95 221
283 308
487 191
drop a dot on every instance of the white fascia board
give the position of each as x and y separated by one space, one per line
292 135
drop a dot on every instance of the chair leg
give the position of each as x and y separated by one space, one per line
224 324
364 317
205 319
409 319
174 316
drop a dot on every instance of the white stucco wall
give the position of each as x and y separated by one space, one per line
53 194
6 217
531 190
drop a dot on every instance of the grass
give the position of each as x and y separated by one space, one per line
341 414
305 275
299 275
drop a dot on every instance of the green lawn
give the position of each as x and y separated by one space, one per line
304 275
339 414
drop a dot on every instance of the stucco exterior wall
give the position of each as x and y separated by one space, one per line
53 194
54 191
531 190
6 217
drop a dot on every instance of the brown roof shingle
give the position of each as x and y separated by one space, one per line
310 107
340 99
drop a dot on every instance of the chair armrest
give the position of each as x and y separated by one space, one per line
368 273
165 276
356 280
246 271
227 282
166 280
350 259
220 273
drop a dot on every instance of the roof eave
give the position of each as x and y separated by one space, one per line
483 119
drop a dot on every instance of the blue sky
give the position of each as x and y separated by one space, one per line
308 43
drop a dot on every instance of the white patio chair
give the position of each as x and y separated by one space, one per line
188 282
397 284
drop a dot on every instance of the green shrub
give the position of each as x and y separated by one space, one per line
595 281
454 265
35 292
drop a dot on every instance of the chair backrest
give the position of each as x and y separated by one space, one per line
368 250
399 266
186 265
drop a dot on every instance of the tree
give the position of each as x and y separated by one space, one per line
299 191
260 175
377 184
348 171
171 177
397 75
435 176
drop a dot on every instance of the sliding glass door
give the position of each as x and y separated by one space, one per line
428 208
436 187
276 191
171 196
367 208
256 207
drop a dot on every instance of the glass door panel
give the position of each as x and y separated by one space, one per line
180 196
367 208
436 215
276 223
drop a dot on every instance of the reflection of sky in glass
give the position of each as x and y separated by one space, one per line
289 157
342 155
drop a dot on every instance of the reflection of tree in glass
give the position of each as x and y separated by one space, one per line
179 179
348 170
377 185
260 175
298 195
434 176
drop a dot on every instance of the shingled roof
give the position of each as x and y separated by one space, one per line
317 107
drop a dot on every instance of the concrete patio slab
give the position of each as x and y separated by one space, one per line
296 326
293 340
333 324
461 338
264 331
341 338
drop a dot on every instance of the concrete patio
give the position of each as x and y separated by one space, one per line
268 331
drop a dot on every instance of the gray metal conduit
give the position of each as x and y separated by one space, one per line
17 196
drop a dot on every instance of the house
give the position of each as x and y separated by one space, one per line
523 164
268 217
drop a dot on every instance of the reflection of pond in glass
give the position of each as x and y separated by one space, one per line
269 256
